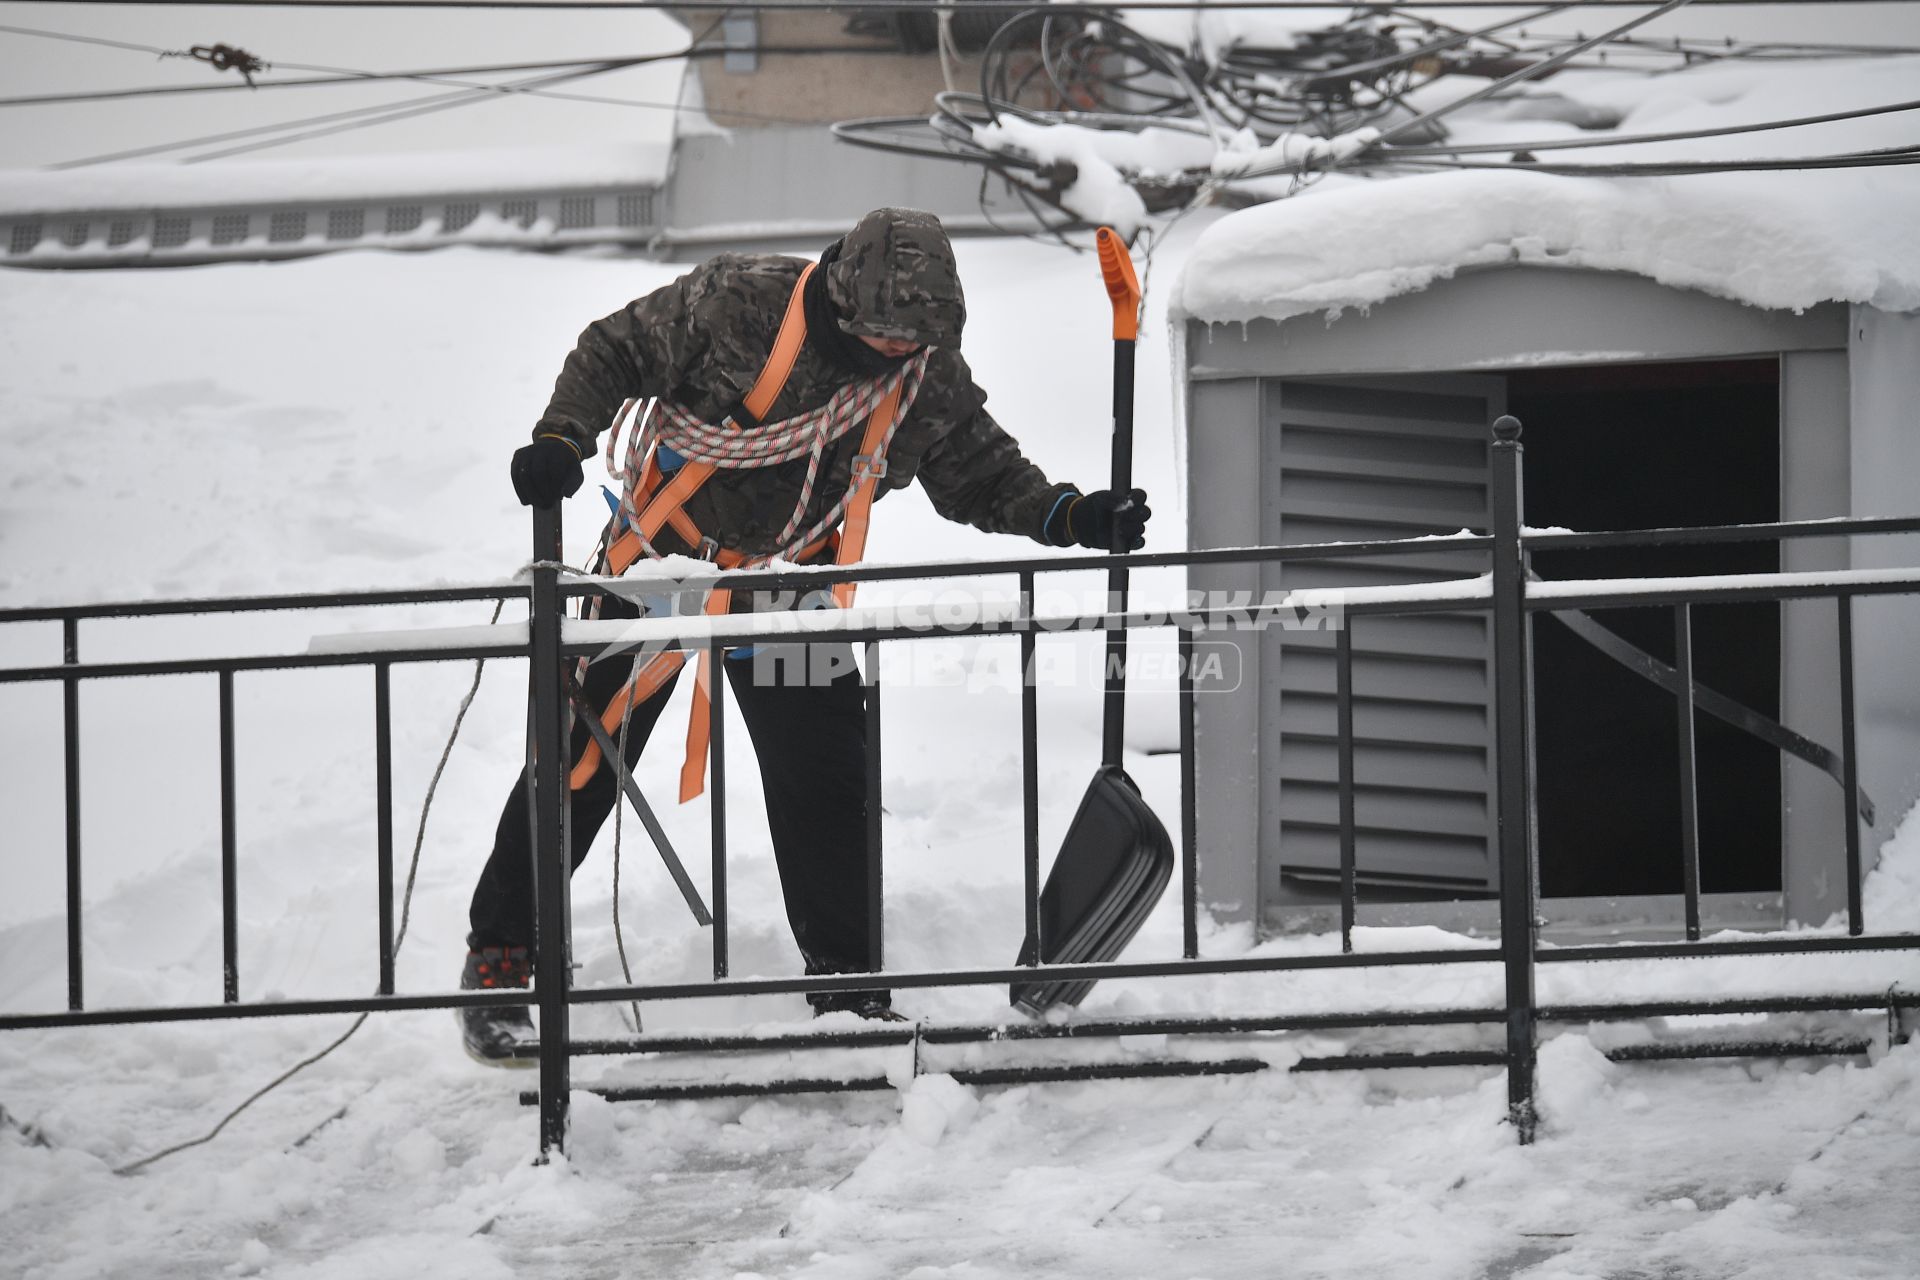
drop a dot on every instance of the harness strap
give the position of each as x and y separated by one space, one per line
869 465
786 349
693 769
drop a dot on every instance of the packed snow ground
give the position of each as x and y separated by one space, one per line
345 422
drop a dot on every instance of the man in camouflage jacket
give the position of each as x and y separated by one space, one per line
887 289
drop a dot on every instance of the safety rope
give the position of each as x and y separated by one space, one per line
729 445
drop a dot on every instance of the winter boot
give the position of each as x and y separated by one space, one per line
874 1006
498 1035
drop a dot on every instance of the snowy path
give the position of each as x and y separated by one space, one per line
1676 1172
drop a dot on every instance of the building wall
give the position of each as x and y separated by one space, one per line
874 77
761 184
188 234
1884 357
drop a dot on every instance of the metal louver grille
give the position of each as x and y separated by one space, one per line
635 209
170 231
1363 459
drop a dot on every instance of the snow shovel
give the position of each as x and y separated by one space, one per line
1116 859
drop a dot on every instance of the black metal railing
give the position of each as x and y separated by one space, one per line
554 642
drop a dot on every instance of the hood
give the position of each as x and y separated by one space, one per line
895 277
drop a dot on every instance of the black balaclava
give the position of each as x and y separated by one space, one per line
843 349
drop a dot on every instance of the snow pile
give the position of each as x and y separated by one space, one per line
1099 193
1780 240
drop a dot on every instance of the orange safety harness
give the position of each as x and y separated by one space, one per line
661 502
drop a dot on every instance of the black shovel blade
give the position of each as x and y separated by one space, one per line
1113 866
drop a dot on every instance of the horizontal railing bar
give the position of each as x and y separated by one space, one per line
1737 1049
1200 1025
1017 974
1858 1002
262 604
1720 595
1383 1061
1737 947
1091 1029
722 1089
980 1033
1158 1069
772 579
1767 532
1571 540
254 662
1113 1028
1227 619
261 1009
1210 620
990 1077
864 1038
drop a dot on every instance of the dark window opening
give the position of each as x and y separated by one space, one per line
1645 446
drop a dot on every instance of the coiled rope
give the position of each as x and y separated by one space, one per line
729 445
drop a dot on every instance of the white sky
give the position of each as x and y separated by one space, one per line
416 39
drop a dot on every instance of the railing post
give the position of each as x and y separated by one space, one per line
1029 771
1513 749
1189 802
70 712
1689 770
1850 764
553 964
717 802
383 814
876 891
229 849
1343 732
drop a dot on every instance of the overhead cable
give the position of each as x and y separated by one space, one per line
1635 139
341 75
360 116
889 6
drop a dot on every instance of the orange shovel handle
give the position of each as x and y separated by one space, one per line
1123 287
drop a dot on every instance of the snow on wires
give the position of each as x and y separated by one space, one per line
1073 104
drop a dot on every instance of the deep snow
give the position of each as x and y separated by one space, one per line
1770 239
344 422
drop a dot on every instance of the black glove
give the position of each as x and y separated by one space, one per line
1092 520
546 471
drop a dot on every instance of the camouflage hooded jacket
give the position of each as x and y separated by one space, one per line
700 343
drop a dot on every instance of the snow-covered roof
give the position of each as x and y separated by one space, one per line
337 178
1779 239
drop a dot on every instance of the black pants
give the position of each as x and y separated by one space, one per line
806 709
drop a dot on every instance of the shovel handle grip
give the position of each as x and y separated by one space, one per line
1123 287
